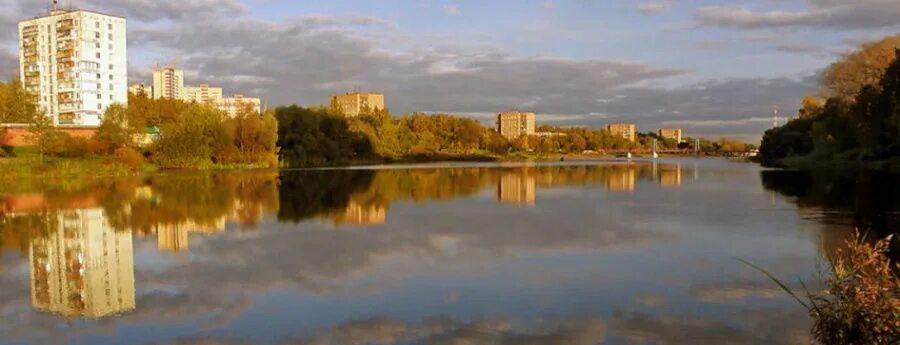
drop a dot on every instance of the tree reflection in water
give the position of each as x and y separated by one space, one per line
843 201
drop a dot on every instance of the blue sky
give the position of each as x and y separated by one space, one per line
716 68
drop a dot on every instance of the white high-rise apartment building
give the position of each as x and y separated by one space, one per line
75 64
168 82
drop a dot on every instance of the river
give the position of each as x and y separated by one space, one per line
637 252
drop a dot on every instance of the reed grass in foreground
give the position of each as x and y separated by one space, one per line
860 303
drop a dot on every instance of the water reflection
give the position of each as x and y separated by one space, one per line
81 266
80 242
842 202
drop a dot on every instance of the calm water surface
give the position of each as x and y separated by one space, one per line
575 253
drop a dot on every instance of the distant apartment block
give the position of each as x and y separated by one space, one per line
74 64
141 89
82 267
168 82
203 94
235 104
626 131
355 104
670 134
514 124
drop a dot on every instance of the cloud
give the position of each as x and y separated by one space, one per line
640 328
836 14
710 45
798 48
452 10
444 330
652 8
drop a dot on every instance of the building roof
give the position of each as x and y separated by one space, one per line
64 11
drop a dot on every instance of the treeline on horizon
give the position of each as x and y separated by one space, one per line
857 117
314 136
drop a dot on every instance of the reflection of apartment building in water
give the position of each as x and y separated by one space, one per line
83 268
621 179
670 134
670 176
514 124
174 237
358 214
74 64
355 103
517 188
626 131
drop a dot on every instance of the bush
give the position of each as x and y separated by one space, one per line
130 158
861 300
861 304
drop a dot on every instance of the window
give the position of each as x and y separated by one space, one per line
110 77
110 37
97 34
98 76
99 106
110 97
98 45
111 87
109 26
97 25
110 67
98 55
99 96
110 46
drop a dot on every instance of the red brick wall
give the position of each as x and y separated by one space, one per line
19 136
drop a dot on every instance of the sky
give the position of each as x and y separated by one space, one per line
712 67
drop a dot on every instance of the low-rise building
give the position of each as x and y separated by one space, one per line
141 89
203 94
355 103
232 106
670 134
514 124
626 131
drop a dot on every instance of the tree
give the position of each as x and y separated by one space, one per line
41 133
115 129
863 67
812 107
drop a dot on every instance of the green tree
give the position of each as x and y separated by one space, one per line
115 129
41 134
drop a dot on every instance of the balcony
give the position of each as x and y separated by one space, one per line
30 30
66 97
31 59
66 118
66 65
70 107
30 74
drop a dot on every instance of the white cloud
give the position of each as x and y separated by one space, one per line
651 8
452 10
838 14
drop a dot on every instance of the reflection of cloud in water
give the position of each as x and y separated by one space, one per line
736 291
636 328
